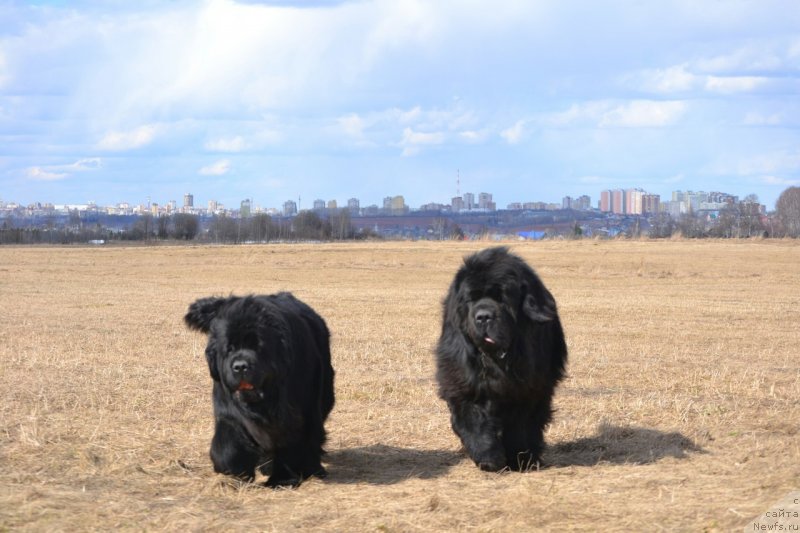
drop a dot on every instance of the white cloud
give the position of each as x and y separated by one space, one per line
734 84
665 81
89 163
128 140
408 117
607 114
419 127
352 125
752 57
219 168
414 140
228 144
40 174
575 113
513 135
643 114
740 71
60 172
472 136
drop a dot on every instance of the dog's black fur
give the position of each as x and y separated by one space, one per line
499 359
269 358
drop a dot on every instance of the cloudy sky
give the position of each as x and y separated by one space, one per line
530 100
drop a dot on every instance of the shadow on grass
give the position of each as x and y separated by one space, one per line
620 445
386 465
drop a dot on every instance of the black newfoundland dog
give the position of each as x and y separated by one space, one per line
499 358
270 360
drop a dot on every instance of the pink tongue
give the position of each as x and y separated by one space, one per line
489 340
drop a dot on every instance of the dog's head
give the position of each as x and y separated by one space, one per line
493 295
247 343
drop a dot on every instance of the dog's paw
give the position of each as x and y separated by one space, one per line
291 482
491 462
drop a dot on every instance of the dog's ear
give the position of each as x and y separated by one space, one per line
211 358
453 301
538 304
202 312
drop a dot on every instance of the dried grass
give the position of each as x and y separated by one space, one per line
680 412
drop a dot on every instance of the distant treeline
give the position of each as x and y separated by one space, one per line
306 226
741 221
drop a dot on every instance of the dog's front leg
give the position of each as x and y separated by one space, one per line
479 430
231 453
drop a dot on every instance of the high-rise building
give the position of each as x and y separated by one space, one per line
469 201
722 198
689 201
534 206
633 201
398 205
319 205
605 201
485 201
245 208
354 206
188 200
650 204
289 208
332 204
618 202
457 204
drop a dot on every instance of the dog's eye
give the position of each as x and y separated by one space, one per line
495 293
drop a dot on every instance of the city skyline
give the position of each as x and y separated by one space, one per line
594 200
633 201
113 102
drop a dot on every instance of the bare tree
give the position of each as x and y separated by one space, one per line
163 227
440 228
260 227
725 225
185 226
143 228
308 225
788 210
750 218
661 226
223 229
341 225
691 226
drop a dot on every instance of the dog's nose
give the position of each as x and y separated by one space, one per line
240 366
484 316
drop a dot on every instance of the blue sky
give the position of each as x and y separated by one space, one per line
528 100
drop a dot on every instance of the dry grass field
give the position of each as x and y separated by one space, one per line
681 410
